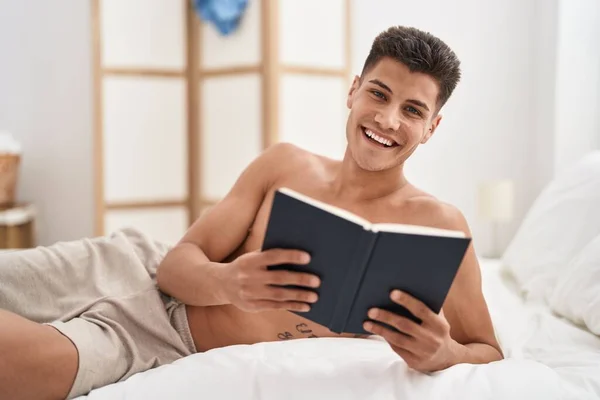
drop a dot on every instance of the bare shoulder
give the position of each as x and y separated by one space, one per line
286 156
281 155
283 150
283 161
438 214
275 162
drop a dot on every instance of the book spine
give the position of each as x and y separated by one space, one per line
354 278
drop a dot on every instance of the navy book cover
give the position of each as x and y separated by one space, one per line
360 263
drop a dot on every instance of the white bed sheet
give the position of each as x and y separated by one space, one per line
529 330
546 358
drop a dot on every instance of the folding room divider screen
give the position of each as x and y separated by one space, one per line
180 110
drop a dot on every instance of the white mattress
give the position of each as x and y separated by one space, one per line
546 358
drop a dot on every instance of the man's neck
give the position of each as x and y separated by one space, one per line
356 184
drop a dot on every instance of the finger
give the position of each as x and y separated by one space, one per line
284 295
281 305
393 338
402 324
416 307
280 256
284 278
407 356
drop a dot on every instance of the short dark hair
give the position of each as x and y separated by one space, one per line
420 52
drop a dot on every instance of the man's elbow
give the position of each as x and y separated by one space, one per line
485 352
164 271
499 352
161 273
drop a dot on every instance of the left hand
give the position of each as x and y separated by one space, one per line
427 347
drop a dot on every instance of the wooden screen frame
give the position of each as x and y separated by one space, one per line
269 68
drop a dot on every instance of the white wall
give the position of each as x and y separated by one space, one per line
545 58
45 101
577 99
486 132
567 84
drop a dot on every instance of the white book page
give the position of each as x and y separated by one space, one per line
347 215
416 230
384 227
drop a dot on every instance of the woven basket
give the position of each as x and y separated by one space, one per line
9 172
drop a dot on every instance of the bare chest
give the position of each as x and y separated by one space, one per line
282 325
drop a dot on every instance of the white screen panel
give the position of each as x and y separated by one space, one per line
145 139
143 33
312 33
166 225
231 130
240 48
313 113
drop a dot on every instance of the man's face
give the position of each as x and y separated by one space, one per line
392 105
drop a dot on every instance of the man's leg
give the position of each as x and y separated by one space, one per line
103 317
36 361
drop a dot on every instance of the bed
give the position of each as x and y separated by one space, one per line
546 358
543 296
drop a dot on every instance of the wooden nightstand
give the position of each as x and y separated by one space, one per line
17 227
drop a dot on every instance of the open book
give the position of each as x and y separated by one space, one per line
359 262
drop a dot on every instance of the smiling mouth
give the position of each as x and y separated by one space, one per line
378 140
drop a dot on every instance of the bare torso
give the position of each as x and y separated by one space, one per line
224 325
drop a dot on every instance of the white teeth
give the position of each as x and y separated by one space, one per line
381 140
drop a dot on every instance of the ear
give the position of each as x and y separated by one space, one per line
432 127
352 91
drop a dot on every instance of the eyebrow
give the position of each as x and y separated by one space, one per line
381 85
387 88
418 103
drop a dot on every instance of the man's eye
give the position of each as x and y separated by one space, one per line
413 110
377 93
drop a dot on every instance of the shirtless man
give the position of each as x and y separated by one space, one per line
219 275
218 262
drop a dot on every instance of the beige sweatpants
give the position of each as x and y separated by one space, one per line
101 293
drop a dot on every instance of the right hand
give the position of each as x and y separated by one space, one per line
250 286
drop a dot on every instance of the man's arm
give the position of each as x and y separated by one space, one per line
192 271
461 333
465 307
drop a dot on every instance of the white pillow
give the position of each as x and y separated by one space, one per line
577 293
563 219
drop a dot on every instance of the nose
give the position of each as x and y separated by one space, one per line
388 119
